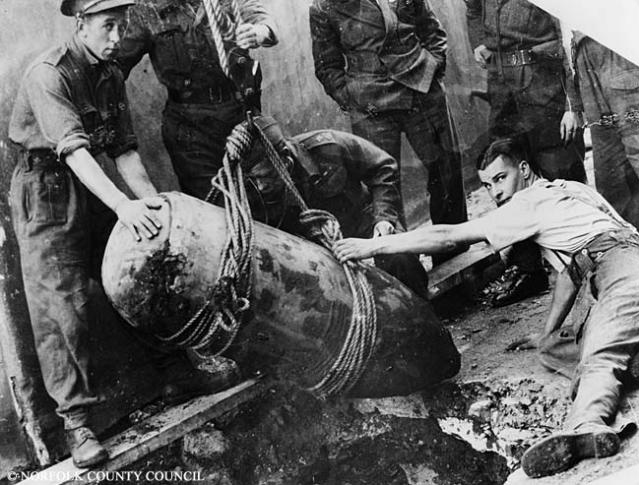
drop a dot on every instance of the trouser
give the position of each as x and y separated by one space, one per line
195 138
62 230
53 225
610 336
428 130
529 100
609 85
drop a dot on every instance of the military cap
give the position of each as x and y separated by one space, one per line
273 131
86 7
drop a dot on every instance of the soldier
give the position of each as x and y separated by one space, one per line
382 62
343 174
71 108
609 88
588 243
203 105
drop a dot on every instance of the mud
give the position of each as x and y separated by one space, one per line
155 292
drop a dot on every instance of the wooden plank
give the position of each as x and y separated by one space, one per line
153 434
461 268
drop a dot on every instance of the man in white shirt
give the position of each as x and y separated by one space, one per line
583 237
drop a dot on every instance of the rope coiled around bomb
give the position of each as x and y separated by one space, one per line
215 325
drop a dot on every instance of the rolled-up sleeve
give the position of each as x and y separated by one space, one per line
254 12
54 112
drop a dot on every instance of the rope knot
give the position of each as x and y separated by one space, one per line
321 226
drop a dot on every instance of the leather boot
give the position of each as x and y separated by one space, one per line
562 451
85 448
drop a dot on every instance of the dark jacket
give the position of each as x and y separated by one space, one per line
341 173
509 25
181 48
369 58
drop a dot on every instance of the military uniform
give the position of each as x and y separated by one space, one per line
609 88
382 62
530 83
203 105
68 100
352 179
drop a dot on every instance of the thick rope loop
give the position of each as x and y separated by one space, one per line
217 322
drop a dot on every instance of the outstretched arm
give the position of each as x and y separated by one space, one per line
425 239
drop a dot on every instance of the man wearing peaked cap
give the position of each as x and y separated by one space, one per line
88 7
71 110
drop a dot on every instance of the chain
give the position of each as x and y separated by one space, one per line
629 117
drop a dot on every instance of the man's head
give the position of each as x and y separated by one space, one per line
504 169
101 24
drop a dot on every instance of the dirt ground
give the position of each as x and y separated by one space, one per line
470 430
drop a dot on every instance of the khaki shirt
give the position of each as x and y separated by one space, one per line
68 99
560 216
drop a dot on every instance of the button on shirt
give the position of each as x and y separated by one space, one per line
560 216
68 100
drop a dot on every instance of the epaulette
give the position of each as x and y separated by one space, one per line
54 56
316 138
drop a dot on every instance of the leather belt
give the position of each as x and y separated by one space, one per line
517 58
41 158
585 260
212 95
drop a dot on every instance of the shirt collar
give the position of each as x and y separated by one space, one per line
83 53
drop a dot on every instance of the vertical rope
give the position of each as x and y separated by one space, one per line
215 15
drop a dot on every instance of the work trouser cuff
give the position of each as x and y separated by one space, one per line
76 418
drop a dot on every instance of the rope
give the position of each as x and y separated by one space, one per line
222 28
217 18
216 323
360 340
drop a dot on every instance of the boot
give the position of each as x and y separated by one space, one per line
183 384
85 448
562 451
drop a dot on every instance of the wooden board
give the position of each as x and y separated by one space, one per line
153 433
463 267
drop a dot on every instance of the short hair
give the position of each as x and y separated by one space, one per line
514 148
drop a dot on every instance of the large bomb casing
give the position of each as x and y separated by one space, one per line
300 302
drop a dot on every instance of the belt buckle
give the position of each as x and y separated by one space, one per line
513 58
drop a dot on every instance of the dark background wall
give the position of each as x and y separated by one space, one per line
291 94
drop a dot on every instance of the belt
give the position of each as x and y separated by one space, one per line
586 259
41 158
213 95
516 58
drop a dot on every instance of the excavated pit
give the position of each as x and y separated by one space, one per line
470 430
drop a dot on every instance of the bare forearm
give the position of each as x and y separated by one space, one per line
435 239
89 172
135 175
562 301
